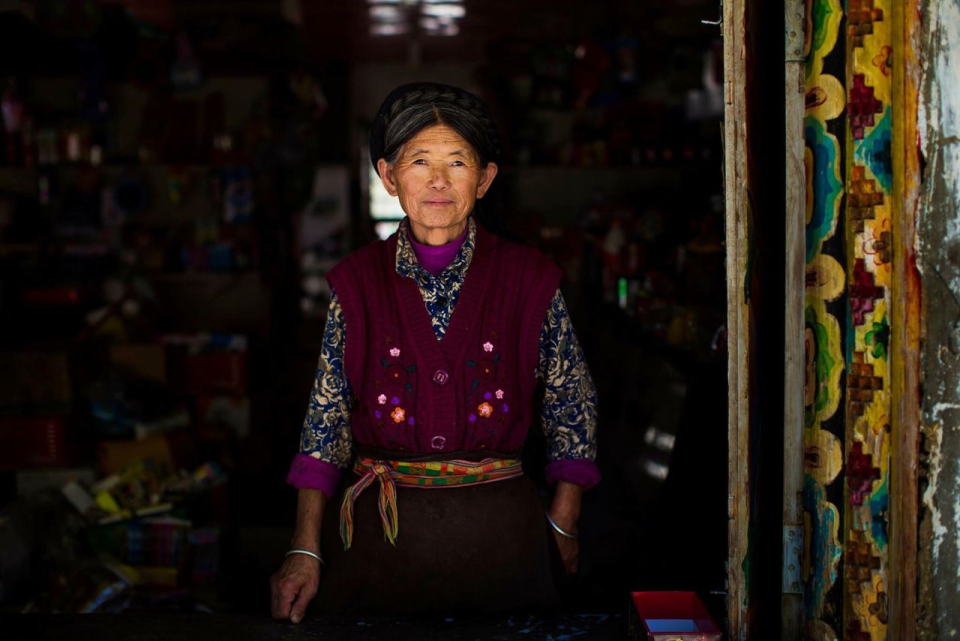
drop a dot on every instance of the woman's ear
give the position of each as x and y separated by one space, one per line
486 178
385 170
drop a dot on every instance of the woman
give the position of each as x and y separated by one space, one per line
435 342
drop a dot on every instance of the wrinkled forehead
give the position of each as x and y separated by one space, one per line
438 140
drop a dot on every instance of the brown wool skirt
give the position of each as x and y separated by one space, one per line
478 548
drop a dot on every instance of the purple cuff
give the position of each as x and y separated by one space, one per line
308 473
579 471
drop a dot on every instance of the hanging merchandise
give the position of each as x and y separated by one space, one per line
81 208
238 202
48 146
212 126
612 245
309 93
14 117
68 18
146 68
591 63
128 197
325 220
322 235
179 185
93 91
707 101
626 51
185 70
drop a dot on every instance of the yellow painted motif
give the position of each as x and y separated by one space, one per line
825 282
825 277
868 250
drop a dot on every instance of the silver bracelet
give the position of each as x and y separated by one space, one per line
308 553
559 529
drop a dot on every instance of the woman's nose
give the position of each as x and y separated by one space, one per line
439 178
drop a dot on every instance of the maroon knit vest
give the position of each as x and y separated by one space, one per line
471 391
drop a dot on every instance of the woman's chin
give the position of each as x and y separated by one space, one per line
438 220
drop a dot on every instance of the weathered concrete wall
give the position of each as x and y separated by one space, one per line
939 251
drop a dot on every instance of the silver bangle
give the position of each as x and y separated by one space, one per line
308 553
559 529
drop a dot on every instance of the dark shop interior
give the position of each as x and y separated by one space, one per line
177 177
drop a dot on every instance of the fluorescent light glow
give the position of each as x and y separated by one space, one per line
656 470
444 10
388 29
434 27
437 17
666 441
661 440
386 14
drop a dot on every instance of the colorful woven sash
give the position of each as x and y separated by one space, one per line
422 474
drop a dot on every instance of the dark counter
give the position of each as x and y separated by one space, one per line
205 627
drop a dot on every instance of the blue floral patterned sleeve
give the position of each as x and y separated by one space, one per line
569 415
326 431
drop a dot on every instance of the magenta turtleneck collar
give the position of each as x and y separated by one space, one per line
436 259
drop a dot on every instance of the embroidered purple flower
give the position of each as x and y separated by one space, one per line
506 408
488 346
472 418
382 399
411 421
499 393
395 352
488 395
378 414
395 400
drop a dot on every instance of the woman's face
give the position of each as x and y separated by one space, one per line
437 177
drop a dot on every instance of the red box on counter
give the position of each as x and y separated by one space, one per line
33 441
671 616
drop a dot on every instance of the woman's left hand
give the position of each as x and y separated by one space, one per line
565 512
569 552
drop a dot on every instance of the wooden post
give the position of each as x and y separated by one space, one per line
738 330
794 286
905 325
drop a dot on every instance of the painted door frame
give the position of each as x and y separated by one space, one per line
904 313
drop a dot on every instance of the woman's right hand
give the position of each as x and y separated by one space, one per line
293 587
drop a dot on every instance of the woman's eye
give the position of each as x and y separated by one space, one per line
419 161
458 163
